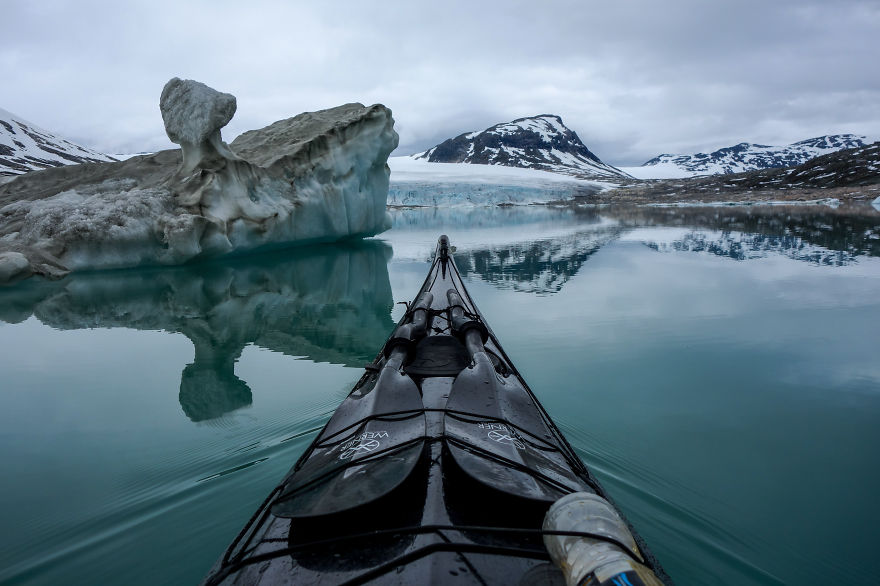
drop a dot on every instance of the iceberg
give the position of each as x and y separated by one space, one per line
317 177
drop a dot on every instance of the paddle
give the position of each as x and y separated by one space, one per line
372 443
494 430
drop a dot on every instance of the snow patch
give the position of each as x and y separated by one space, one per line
658 171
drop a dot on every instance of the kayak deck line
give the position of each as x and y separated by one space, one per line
439 466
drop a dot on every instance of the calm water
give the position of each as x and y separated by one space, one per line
718 370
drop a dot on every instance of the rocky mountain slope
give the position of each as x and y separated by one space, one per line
750 157
25 147
538 142
851 174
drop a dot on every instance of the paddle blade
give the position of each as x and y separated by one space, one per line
503 441
368 448
362 466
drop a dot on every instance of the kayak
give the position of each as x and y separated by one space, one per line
440 466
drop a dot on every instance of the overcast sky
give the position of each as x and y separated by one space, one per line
633 78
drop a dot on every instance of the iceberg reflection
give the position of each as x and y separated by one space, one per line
330 304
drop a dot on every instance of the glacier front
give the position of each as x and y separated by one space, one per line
418 183
317 177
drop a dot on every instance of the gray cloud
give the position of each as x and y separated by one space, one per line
633 78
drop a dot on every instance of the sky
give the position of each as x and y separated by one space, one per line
634 78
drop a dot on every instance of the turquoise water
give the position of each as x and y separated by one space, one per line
717 369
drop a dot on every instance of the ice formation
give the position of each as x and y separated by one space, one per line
319 176
193 115
417 182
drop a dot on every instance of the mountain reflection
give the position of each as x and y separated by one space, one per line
539 266
534 249
538 249
330 304
813 234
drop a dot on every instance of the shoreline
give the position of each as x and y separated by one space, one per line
848 199
669 192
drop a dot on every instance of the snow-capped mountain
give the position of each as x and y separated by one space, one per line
750 157
538 142
26 147
858 166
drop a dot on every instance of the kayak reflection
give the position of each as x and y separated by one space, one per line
328 303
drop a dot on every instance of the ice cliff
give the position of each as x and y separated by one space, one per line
417 182
319 176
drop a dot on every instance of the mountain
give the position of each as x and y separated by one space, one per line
856 166
26 147
854 173
537 142
750 157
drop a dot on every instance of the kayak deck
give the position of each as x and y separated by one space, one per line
438 467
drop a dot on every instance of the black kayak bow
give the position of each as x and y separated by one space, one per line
439 467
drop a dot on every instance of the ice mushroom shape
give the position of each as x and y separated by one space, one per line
317 177
193 115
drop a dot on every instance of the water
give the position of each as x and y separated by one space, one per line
717 369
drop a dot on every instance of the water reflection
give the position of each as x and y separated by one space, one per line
538 249
329 304
820 236
536 266
534 249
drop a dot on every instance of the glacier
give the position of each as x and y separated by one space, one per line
317 177
417 182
